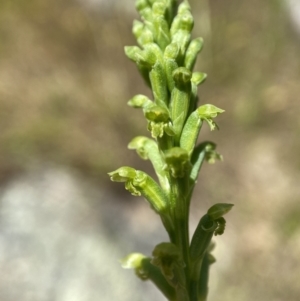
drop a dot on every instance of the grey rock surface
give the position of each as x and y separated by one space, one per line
61 239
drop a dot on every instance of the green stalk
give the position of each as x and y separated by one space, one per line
166 58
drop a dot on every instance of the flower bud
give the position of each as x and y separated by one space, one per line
170 56
161 27
159 85
180 99
193 49
197 79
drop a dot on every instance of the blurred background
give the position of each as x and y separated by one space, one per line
64 123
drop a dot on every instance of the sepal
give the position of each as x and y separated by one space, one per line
122 174
198 78
218 210
177 161
216 213
140 101
208 112
157 114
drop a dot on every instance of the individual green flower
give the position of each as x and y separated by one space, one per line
139 183
168 258
159 121
148 149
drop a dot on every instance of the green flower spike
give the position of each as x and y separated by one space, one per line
165 58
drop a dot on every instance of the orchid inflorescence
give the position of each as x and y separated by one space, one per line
165 58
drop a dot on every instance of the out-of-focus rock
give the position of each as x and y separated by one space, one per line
294 10
61 239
